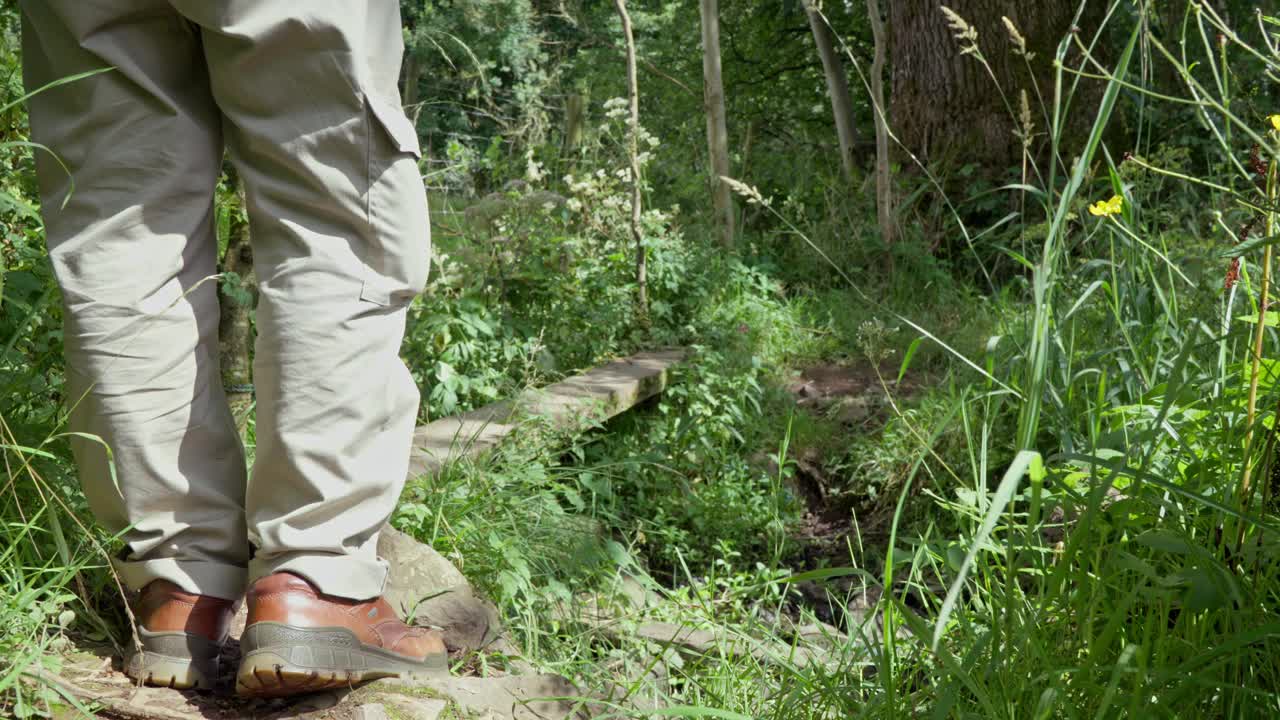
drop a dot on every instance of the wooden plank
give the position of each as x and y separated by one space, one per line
571 405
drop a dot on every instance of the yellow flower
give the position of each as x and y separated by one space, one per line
1109 207
1275 121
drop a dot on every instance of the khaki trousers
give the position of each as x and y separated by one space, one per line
303 95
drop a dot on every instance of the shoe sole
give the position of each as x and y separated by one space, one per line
279 659
177 660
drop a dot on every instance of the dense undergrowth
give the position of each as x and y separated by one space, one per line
1070 515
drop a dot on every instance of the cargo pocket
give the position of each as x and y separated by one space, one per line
399 245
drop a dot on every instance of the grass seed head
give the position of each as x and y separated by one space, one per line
964 33
1019 42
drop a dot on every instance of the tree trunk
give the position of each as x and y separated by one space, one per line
884 180
633 150
412 74
946 107
235 301
747 217
837 87
748 144
574 115
717 135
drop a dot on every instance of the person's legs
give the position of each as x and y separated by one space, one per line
128 209
131 236
338 218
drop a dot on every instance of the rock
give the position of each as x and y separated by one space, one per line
665 633
709 642
513 697
415 708
301 705
427 588
373 711
513 656
816 634
415 567
852 411
647 669
468 622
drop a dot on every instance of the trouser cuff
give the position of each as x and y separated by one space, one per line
344 576
194 576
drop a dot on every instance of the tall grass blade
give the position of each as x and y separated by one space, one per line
1041 345
1026 460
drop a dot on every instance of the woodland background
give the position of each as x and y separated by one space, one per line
982 371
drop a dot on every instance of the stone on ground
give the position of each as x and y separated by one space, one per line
427 588
514 697
372 711
417 708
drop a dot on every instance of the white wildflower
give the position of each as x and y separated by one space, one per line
532 169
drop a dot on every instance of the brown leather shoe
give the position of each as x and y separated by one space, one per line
298 639
181 635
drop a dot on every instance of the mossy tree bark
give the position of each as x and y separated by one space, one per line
947 108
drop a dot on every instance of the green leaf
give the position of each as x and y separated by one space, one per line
1272 318
906 358
827 574
1248 245
1024 461
1020 259
618 554
111 457
55 83
691 711
28 451
1085 296
59 537
1023 187
509 583
10 202
574 499
1167 541
1205 590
